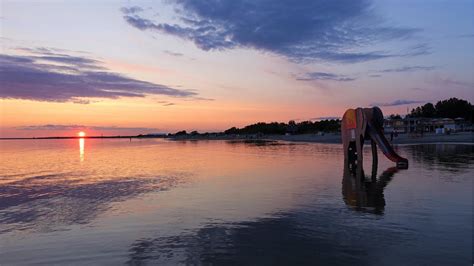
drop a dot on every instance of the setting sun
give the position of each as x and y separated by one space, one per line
81 134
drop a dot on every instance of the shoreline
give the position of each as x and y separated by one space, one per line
331 138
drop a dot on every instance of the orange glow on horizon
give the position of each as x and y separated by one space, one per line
81 134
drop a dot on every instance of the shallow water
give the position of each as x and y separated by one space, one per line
217 202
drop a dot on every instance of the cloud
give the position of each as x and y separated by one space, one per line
47 51
418 89
81 127
303 31
416 50
324 76
326 118
131 10
397 103
199 99
450 82
408 69
469 35
81 101
54 77
173 53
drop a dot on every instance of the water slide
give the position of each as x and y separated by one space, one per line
376 134
366 124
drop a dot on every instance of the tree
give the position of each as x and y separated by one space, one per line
450 108
181 133
428 110
276 128
292 127
453 108
395 116
232 131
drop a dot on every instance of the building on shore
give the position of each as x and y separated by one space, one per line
420 125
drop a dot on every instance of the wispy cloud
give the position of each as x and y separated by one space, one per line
397 103
199 99
307 30
469 35
48 51
82 127
173 53
131 10
450 82
46 75
324 76
319 118
407 69
416 50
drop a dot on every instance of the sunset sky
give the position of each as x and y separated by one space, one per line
130 67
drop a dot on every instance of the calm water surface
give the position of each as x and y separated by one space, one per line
217 202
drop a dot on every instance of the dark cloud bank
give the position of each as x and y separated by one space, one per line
79 127
305 30
48 75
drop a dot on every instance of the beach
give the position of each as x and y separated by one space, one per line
459 137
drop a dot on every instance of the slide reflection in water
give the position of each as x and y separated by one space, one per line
363 193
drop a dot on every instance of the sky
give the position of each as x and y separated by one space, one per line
131 67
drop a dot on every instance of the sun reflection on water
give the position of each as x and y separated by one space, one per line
81 149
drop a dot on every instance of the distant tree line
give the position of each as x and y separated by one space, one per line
395 116
450 108
292 127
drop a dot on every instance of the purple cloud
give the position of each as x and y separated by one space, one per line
302 31
58 77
